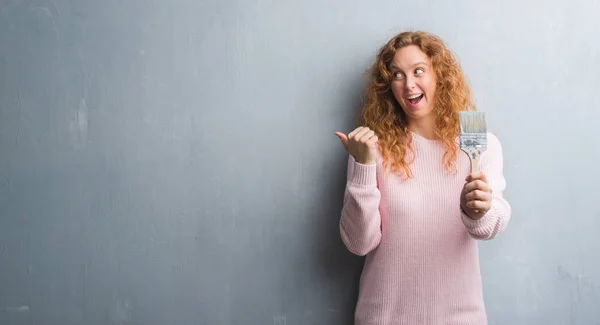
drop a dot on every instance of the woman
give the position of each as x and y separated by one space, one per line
411 203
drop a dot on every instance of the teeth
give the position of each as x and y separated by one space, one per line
414 96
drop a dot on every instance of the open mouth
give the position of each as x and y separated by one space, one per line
415 99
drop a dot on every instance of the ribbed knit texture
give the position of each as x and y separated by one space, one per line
422 263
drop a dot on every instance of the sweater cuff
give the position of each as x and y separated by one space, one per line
364 174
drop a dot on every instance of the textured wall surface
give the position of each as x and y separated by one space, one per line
173 162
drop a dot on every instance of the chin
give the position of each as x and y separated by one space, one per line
419 114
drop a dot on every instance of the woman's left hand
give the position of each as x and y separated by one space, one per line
476 196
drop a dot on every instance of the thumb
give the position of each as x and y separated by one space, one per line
343 139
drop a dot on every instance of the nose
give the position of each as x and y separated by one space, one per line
409 83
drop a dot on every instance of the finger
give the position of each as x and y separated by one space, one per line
360 133
373 140
351 134
470 186
478 195
481 206
483 186
473 195
478 213
367 136
343 139
477 185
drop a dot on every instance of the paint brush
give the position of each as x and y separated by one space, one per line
473 136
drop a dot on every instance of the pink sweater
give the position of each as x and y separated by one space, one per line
422 263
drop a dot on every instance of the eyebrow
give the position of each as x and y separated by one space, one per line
414 65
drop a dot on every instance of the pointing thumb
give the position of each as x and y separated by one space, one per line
343 139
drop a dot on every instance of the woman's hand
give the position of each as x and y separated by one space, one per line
361 144
476 196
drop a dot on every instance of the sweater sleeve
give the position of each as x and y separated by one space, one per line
497 218
360 222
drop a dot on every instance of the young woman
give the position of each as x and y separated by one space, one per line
411 203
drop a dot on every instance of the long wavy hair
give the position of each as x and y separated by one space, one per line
383 114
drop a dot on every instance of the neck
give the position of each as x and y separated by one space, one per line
423 127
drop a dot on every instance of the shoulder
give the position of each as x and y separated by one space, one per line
493 141
493 153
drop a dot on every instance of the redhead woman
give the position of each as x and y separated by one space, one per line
411 204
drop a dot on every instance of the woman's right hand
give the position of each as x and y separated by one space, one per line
361 144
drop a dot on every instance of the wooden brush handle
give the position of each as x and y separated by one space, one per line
474 165
474 169
474 154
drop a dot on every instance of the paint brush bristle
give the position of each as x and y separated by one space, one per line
472 122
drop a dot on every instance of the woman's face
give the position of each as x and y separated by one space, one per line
413 83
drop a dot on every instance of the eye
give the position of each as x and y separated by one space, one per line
419 71
397 75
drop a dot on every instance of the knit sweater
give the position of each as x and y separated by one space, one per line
422 261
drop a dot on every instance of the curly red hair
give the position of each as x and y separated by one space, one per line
382 113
